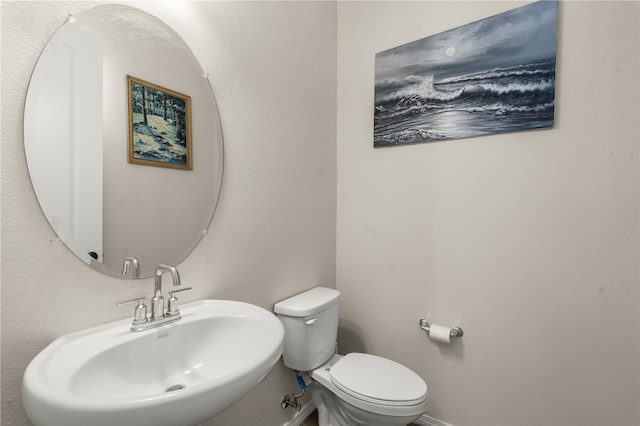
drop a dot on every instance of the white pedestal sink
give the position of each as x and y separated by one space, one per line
177 374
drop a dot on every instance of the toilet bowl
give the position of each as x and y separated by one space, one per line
348 390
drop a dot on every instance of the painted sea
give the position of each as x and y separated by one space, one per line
492 76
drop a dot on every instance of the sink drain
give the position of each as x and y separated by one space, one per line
174 388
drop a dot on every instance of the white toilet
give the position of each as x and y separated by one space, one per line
354 389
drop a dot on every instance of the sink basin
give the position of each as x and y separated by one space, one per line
177 374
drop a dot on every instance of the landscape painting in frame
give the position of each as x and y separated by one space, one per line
159 125
495 75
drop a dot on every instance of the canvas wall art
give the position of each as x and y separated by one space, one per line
491 76
159 125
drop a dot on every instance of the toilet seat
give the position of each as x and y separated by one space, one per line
376 380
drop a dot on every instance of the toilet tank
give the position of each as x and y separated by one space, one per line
310 322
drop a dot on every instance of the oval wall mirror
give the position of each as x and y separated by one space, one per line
123 141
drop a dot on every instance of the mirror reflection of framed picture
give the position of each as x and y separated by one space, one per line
159 125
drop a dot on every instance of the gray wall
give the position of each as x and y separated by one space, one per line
528 240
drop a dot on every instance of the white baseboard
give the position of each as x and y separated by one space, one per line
308 408
425 420
301 415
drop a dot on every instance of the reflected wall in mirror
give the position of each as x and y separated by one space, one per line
104 208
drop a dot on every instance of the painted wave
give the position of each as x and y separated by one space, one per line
522 95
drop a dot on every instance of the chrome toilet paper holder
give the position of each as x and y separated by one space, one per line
456 331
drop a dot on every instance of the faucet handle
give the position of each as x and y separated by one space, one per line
173 301
140 311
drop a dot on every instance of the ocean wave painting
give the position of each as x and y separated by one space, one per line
491 76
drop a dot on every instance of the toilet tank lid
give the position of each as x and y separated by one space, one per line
308 303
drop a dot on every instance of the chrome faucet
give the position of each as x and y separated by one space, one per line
159 316
131 263
157 302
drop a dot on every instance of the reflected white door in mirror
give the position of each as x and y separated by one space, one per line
123 141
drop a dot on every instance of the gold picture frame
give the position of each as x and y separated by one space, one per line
159 125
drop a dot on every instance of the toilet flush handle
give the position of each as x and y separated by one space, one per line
311 321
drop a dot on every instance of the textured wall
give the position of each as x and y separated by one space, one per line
272 67
528 240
